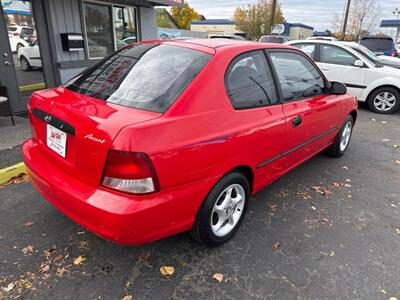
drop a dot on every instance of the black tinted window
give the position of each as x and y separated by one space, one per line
249 81
146 76
378 45
298 78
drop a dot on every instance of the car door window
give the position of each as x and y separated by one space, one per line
25 32
309 49
298 77
249 81
337 56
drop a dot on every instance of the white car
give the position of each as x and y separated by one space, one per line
385 60
17 36
29 57
374 83
322 38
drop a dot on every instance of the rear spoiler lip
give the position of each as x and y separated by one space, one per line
53 121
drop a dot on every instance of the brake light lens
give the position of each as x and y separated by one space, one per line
394 53
16 33
130 172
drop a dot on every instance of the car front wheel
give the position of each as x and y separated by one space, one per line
342 141
385 100
223 210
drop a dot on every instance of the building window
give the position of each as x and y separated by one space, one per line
108 28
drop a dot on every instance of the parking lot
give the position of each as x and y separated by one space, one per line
328 230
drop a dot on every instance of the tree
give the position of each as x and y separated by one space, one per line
363 19
184 15
163 20
254 19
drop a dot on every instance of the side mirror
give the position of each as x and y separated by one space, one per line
337 88
359 63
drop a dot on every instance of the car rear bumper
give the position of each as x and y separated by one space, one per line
121 218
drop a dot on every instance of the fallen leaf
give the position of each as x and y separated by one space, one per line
383 291
383 122
79 260
345 167
9 287
44 268
167 270
393 205
396 146
326 221
373 120
61 271
392 298
218 277
386 140
28 224
127 297
277 245
398 161
313 207
347 185
349 196
58 258
321 190
332 253
398 231
27 249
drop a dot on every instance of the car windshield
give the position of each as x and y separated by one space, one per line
272 39
378 45
371 56
12 29
146 76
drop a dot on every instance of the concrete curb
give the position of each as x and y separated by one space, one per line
8 173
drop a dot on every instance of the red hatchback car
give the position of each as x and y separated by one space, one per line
164 137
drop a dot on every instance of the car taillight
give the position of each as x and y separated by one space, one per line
393 53
130 172
16 33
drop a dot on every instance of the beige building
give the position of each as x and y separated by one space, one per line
215 27
298 31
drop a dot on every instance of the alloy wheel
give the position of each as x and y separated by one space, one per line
228 210
346 135
385 101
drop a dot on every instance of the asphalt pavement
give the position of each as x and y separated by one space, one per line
328 230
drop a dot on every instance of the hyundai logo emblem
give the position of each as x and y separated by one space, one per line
47 118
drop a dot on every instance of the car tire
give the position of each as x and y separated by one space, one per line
342 141
223 210
25 65
384 100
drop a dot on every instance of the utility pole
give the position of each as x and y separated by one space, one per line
272 18
346 18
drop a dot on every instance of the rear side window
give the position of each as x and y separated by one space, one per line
12 29
378 45
309 49
298 78
249 81
146 76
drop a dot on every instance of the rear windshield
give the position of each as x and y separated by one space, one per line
146 76
11 29
378 45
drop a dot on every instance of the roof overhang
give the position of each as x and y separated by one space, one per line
169 2
390 23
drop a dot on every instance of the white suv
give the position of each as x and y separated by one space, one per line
369 81
18 35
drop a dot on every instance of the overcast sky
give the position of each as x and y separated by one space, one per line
316 13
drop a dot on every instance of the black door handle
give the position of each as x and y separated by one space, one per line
297 121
